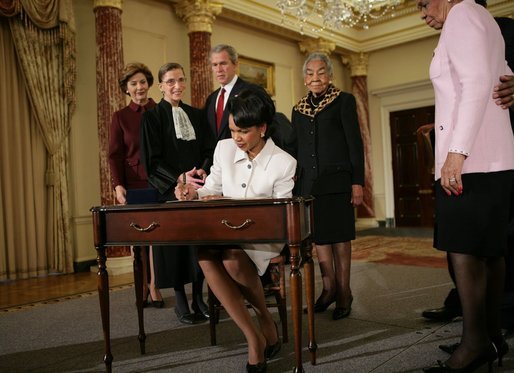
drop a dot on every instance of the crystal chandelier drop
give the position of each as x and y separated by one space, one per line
335 14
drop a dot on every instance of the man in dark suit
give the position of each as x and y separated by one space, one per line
452 306
224 63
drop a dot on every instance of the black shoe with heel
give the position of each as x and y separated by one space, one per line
151 302
342 312
272 350
188 318
502 347
201 311
487 357
156 303
320 306
256 368
442 314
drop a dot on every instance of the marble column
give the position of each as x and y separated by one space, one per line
358 63
109 63
199 15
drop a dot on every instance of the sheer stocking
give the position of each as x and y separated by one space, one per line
495 290
242 270
472 274
154 291
328 276
335 265
181 305
229 294
198 295
342 261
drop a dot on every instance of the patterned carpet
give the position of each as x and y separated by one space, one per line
412 251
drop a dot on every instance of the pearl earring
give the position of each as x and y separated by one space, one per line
262 134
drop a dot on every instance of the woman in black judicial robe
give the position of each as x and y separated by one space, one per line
176 139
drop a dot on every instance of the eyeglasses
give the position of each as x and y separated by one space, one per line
172 82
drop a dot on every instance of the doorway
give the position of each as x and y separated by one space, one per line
412 181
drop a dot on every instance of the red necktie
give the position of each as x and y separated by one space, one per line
219 109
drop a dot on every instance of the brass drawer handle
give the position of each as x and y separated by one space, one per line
245 223
147 229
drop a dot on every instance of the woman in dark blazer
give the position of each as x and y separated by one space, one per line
124 161
174 139
331 168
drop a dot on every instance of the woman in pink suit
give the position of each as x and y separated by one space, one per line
474 159
127 170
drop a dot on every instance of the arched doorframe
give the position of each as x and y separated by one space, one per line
395 98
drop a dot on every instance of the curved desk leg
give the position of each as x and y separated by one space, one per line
103 295
308 267
138 285
296 304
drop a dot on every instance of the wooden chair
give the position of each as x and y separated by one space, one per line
277 289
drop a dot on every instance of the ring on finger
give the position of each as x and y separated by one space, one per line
452 180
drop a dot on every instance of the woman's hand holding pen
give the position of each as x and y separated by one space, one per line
185 192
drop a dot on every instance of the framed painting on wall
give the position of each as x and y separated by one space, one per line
258 72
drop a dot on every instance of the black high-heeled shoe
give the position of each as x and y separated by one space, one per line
487 357
320 306
502 347
156 303
188 318
342 312
272 350
202 312
256 368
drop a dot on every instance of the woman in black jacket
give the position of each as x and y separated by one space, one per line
330 159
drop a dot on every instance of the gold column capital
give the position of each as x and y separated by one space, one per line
108 3
310 45
198 15
358 63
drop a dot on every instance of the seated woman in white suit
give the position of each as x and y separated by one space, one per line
249 165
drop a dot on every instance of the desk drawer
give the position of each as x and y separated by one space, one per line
198 225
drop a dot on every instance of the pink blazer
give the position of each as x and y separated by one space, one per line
467 63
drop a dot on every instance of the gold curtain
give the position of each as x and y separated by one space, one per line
43 35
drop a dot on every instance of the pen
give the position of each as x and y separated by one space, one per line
184 190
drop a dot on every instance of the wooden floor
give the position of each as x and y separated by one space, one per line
21 293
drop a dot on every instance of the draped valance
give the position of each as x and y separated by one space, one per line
44 14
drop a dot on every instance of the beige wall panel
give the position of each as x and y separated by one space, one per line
154 35
405 63
85 178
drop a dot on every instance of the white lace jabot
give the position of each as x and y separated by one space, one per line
183 127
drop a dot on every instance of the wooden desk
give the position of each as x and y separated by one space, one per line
209 223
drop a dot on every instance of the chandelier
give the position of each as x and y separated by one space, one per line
335 14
